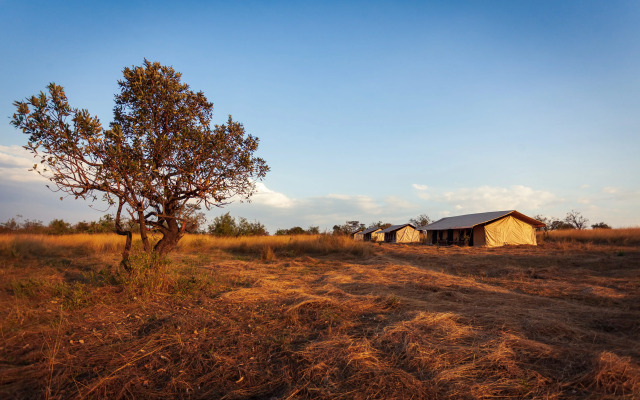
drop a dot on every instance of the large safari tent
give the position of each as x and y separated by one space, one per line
405 233
489 229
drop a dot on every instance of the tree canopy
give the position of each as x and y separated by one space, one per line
349 228
159 161
576 220
226 225
420 220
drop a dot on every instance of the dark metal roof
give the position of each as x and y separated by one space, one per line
370 230
471 220
395 228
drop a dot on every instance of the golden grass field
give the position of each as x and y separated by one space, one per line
321 317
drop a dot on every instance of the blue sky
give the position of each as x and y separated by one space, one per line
365 110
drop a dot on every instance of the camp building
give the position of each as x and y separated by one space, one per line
358 235
406 233
489 229
373 235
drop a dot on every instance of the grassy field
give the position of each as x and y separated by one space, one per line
320 317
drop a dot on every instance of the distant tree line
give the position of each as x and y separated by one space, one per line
351 227
573 220
296 230
226 225
57 226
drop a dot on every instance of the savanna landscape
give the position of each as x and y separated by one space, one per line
367 110
321 316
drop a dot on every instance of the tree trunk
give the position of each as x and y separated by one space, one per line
127 246
127 250
170 237
143 232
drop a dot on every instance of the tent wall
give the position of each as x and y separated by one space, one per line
509 230
407 235
479 236
374 236
358 236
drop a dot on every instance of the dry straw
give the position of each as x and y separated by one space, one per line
316 317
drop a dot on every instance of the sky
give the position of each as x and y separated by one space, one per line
365 110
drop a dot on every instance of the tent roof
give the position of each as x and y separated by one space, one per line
370 230
395 228
471 220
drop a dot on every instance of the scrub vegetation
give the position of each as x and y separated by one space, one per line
320 316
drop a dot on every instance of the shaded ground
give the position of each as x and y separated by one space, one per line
391 321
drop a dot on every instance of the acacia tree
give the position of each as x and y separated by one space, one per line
349 228
420 220
159 161
576 220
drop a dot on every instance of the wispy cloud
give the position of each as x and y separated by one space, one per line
277 210
271 198
15 163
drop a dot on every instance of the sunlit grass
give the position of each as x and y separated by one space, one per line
290 245
15 245
626 236
305 317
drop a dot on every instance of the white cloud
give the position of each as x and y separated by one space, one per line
15 163
610 190
268 197
276 210
585 186
420 187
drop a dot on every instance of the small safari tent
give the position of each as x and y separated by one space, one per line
405 233
490 229
373 235
358 235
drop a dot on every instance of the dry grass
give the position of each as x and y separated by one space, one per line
318 317
37 245
624 237
287 245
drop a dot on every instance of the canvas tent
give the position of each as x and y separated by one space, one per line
489 229
358 235
405 233
373 235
